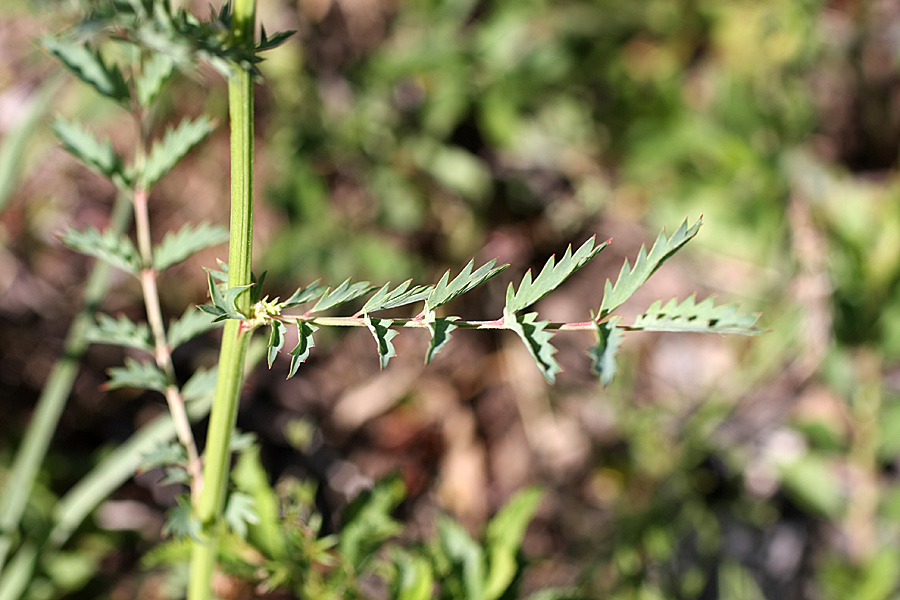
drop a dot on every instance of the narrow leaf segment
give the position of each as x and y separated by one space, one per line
691 317
176 142
646 264
550 277
96 154
383 334
537 340
603 354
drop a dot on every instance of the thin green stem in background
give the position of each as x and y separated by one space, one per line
235 340
17 488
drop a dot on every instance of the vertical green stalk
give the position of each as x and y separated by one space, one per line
235 341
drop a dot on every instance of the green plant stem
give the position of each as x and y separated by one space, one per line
17 488
235 340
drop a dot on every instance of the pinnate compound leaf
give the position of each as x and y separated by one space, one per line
503 540
156 69
399 296
181 522
117 250
603 354
383 334
447 290
96 154
276 341
646 264
343 293
440 328
175 143
87 64
537 340
301 351
239 512
307 294
175 247
188 326
690 317
142 375
202 384
550 277
120 331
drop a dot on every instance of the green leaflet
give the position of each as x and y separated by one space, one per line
97 155
188 326
603 354
440 328
400 296
307 294
444 292
300 353
341 294
165 453
175 143
175 247
156 69
276 341
537 340
383 334
142 375
550 277
223 306
117 250
646 264
120 331
201 385
87 64
689 316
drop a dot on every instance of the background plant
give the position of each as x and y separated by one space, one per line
673 110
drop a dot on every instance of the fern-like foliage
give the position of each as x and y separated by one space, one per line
86 63
535 333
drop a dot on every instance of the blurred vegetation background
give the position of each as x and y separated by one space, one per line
397 139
